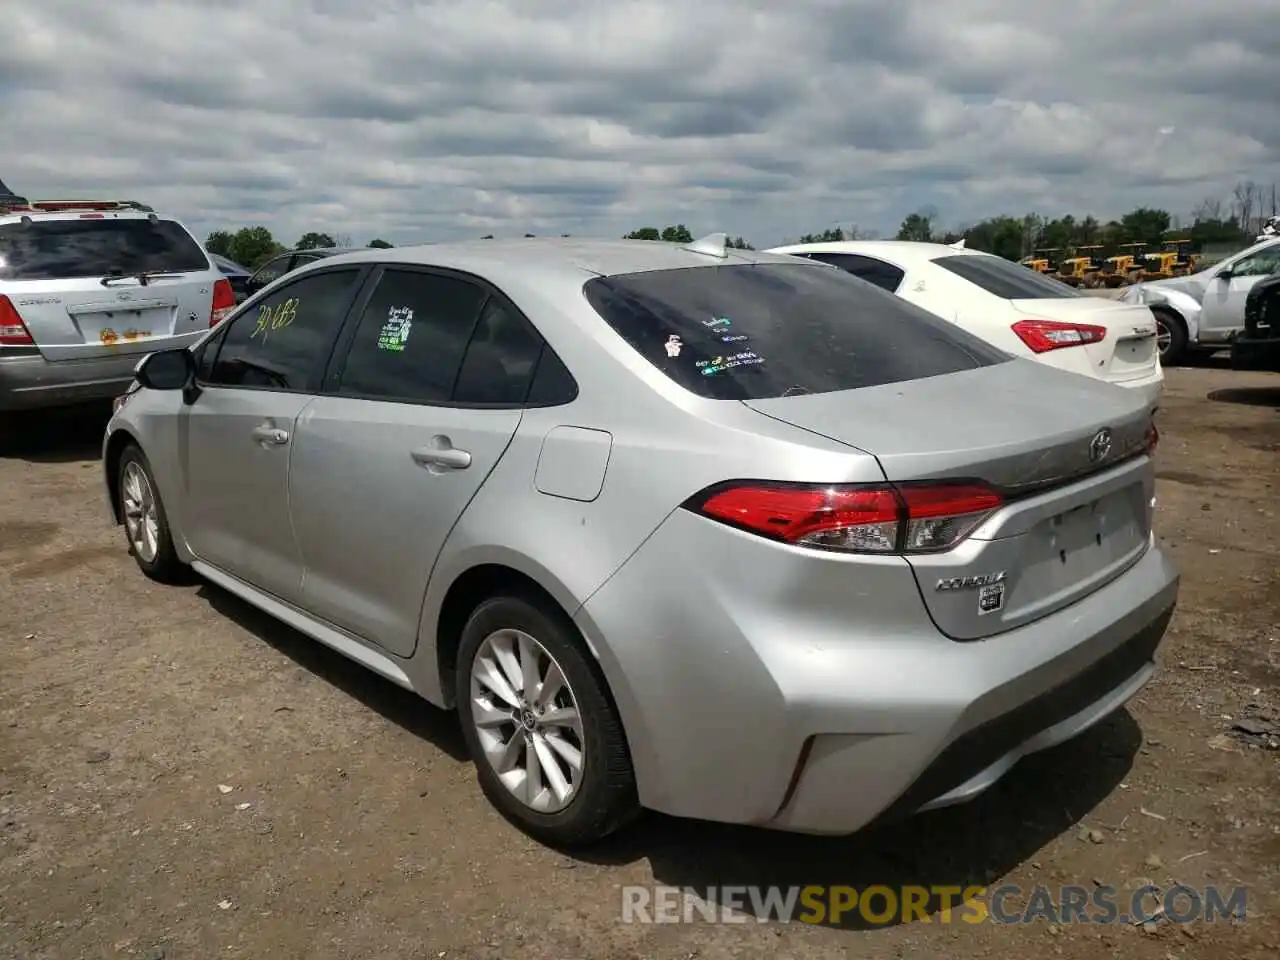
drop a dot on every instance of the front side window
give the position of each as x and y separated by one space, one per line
283 341
769 330
412 337
1260 264
72 249
1004 279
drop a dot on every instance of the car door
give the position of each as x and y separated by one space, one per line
1224 298
425 399
237 432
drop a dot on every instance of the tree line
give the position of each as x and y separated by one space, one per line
1213 223
253 246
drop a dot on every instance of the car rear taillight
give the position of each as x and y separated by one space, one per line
1041 336
224 301
13 332
857 518
1153 439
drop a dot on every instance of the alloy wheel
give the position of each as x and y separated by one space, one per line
527 720
141 517
1163 336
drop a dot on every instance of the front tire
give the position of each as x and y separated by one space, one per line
146 526
1171 338
542 730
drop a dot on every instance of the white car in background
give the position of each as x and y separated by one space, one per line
1204 311
1016 309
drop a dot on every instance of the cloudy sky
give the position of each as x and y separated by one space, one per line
413 119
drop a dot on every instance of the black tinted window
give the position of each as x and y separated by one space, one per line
883 275
751 332
283 341
553 384
412 337
66 249
1002 278
272 270
500 359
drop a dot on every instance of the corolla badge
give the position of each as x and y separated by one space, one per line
970 583
1100 445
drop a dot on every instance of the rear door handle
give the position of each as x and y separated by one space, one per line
448 457
271 435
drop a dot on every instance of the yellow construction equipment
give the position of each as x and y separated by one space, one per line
1082 270
1039 263
1186 262
1125 268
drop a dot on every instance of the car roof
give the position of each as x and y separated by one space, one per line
43 216
530 259
901 251
326 251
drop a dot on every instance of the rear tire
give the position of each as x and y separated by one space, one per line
145 523
1171 335
523 738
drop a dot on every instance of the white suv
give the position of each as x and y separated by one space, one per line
87 288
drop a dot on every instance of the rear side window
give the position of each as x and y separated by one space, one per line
1002 278
412 338
884 275
772 330
71 249
500 360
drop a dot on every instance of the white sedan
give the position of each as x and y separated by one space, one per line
1021 311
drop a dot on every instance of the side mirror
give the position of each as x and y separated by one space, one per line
166 370
1225 273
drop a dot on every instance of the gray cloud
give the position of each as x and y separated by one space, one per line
420 120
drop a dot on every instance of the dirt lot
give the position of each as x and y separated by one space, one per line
353 827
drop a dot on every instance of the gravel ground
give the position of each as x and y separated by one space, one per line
181 777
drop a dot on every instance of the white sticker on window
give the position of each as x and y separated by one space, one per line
395 331
673 345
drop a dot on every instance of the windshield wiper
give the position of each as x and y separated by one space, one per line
143 277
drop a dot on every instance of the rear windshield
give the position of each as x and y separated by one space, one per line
70 249
770 330
1002 278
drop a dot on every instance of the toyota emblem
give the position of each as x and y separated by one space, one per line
1100 445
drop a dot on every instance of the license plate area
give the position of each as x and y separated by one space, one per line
111 328
1074 545
1134 356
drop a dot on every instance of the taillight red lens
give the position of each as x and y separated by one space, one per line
224 301
1153 439
1041 336
910 518
13 332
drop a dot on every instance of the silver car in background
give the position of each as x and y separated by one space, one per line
89 287
724 534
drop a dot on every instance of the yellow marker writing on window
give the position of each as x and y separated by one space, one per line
275 318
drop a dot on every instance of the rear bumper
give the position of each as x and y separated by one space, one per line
30 382
816 696
1150 387
1255 354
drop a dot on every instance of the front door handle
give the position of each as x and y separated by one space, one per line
442 456
271 435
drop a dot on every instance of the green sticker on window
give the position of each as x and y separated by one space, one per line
395 331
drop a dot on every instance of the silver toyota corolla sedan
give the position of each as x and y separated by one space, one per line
724 534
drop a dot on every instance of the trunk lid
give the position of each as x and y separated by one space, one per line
1073 521
1128 352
